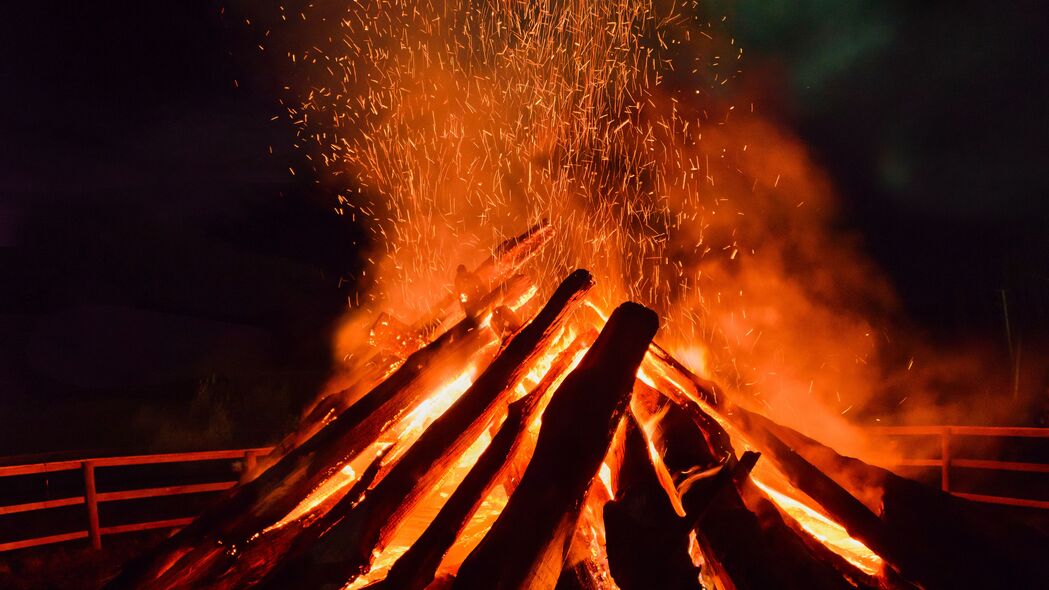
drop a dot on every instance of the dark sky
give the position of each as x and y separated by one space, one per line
158 260
932 119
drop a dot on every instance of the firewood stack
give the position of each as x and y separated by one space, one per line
497 443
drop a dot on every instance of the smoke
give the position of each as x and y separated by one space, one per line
459 123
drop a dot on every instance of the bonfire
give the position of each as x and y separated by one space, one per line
511 440
531 427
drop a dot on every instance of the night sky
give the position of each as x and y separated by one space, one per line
168 284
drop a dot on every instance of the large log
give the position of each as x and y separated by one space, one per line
249 508
417 567
255 557
805 557
526 547
860 522
347 547
923 532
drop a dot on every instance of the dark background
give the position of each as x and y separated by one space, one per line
168 283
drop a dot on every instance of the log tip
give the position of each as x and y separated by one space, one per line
642 321
580 276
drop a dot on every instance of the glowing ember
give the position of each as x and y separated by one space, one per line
826 531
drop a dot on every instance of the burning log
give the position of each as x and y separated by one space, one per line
923 532
241 569
508 256
742 546
336 403
802 555
346 549
526 546
250 507
683 379
416 568
857 519
647 542
742 535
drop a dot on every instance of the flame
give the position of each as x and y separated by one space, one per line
436 403
401 436
421 515
826 531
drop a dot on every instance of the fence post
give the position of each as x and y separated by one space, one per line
91 499
945 459
250 463
250 460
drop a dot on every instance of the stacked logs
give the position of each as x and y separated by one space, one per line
680 512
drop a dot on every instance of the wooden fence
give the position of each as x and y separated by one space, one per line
948 462
92 497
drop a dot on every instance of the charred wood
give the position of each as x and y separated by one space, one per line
647 542
527 545
923 532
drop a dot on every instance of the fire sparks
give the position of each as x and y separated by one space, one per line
459 122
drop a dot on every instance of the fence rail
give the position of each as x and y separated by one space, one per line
947 462
92 497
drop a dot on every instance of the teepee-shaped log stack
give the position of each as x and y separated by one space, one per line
473 450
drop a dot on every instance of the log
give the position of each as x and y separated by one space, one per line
696 387
347 547
249 508
646 541
507 258
417 567
922 531
853 515
578 576
255 557
526 546
681 422
803 556
690 393
730 535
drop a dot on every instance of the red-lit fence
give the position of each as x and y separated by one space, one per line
92 497
948 461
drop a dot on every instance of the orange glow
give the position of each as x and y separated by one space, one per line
826 531
401 436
